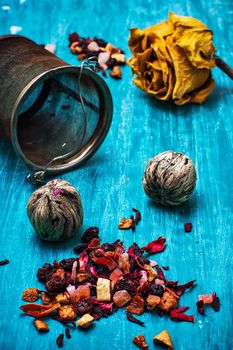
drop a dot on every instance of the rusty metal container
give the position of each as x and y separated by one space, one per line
55 115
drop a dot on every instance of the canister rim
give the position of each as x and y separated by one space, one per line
92 145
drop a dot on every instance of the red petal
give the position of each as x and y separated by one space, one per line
178 315
155 246
83 260
180 289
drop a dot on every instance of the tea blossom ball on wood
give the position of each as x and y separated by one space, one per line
169 178
55 210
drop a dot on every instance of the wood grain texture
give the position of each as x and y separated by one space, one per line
110 182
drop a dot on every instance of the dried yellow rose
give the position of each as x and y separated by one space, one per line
172 60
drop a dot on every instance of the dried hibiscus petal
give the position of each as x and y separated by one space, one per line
140 341
180 289
155 246
136 305
200 306
37 310
216 302
179 315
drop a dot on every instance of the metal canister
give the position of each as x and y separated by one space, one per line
55 115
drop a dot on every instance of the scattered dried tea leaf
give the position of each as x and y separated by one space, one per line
140 341
59 340
164 339
131 318
4 262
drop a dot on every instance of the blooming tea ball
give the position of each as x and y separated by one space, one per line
169 178
55 210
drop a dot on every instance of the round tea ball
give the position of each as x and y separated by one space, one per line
169 178
55 210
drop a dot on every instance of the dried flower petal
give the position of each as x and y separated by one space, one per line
178 315
155 246
216 302
125 224
164 339
140 341
37 310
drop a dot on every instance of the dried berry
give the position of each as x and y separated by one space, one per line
188 227
83 306
157 289
45 272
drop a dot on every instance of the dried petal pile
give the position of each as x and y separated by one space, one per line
173 59
103 278
109 56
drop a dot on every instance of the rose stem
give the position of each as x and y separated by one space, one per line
224 67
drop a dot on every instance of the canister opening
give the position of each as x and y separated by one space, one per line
59 120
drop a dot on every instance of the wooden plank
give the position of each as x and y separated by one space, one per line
110 182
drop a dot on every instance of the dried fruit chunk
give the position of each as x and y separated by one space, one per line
41 326
30 294
62 298
151 273
103 289
136 305
121 298
168 301
85 321
37 310
164 339
152 301
116 72
140 341
125 224
67 313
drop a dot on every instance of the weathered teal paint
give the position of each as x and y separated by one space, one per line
110 182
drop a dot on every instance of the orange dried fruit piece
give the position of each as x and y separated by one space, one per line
140 341
67 313
121 297
37 310
168 301
30 294
116 72
152 301
41 326
125 224
164 339
136 305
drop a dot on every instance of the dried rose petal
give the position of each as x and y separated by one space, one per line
155 246
178 315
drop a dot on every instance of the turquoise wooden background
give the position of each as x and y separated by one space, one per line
110 182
